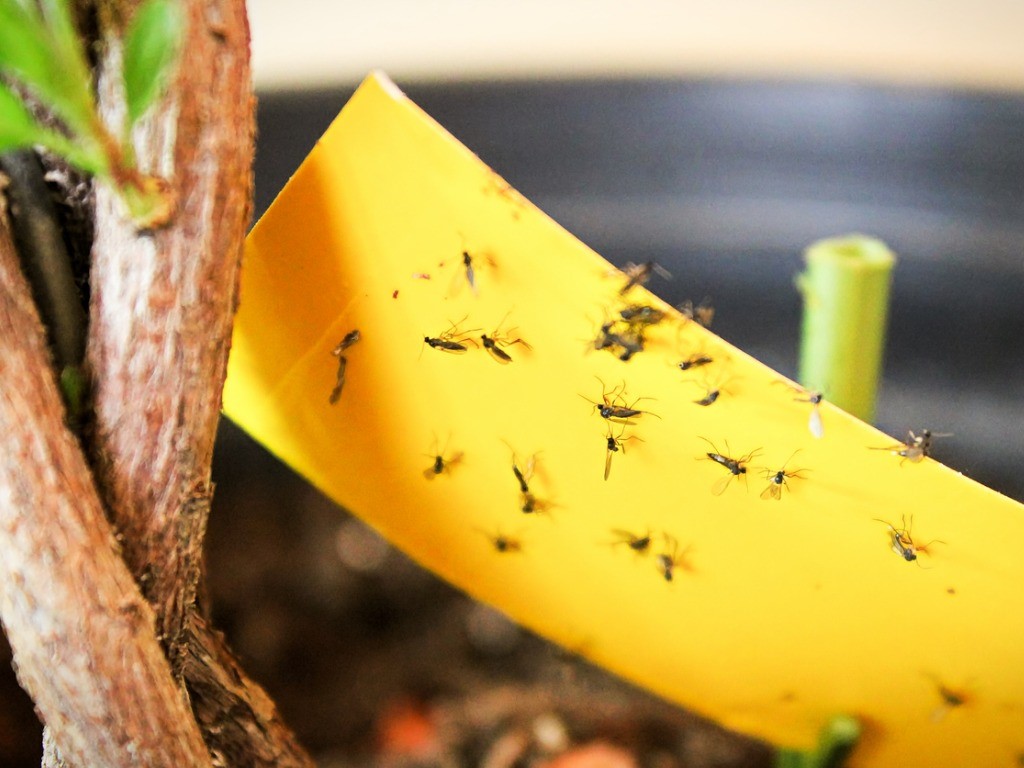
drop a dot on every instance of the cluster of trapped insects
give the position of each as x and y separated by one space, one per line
624 336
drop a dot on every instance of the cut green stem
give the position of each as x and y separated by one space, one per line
846 307
835 743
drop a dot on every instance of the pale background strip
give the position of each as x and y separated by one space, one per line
956 42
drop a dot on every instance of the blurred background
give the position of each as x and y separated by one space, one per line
719 139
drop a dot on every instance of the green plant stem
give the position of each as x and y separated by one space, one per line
835 743
846 303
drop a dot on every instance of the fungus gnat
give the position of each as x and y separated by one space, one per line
815 398
523 476
613 405
452 340
506 544
529 501
441 464
915 447
695 361
903 543
712 391
950 699
736 467
671 558
349 339
777 479
498 339
467 264
639 544
710 398
702 314
641 315
814 422
626 342
614 444
639 274
533 504
502 543
339 383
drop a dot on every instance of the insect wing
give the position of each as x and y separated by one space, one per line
773 491
721 484
815 424
607 464
447 345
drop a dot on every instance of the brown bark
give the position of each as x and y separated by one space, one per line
81 634
160 325
162 304
161 315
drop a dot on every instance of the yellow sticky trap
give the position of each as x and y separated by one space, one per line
782 610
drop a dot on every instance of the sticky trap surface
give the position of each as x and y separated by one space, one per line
766 609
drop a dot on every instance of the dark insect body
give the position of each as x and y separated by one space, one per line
613 445
639 274
339 380
642 315
915 447
639 544
441 465
467 263
778 479
498 339
709 398
702 313
903 543
736 467
349 339
671 559
452 340
613 407
695 361
505 544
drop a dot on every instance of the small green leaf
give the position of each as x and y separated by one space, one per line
17 127
47 62
150 49
25 52
59 22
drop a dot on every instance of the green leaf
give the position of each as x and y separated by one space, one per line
71 94
61 25
25 51
17 127
150 49
47 60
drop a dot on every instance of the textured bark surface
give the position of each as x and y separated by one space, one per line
162 304
82 635
162 308
112 670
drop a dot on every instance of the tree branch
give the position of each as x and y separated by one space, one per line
82 636
161 315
